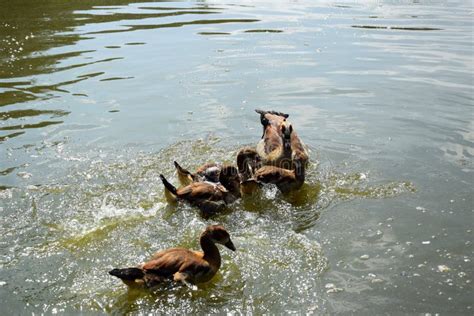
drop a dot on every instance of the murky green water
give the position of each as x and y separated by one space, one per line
97 98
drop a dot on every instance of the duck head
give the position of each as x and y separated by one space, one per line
219 235
247 161
229 177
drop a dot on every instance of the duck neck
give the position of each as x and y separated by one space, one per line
211 252
286 148
232 185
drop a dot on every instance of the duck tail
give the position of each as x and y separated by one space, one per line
128 274
168 185
181 169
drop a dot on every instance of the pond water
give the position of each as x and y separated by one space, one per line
97 98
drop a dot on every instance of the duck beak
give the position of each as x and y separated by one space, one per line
230 245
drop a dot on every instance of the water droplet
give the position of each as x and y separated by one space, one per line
443 268
376 281
24 175
331 288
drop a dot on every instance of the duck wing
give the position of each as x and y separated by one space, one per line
202 191
276 175
185 177
177 263
298 148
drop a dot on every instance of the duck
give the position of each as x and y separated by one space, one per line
180 264
286 180
280 143
209 197
275 146
238 182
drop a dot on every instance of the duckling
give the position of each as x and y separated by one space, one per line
180 264
207 172
286 180
209 197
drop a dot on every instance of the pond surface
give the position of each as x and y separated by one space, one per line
97 98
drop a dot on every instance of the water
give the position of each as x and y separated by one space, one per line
98 98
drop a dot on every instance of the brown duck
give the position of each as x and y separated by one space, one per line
274 147
280 143
180 264
236 181
209 197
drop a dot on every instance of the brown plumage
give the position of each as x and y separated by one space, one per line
237 181
180 264
271 117
248 161
209 197
286 180
298 149
280 143
207 172
271 147
227 175
274 148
